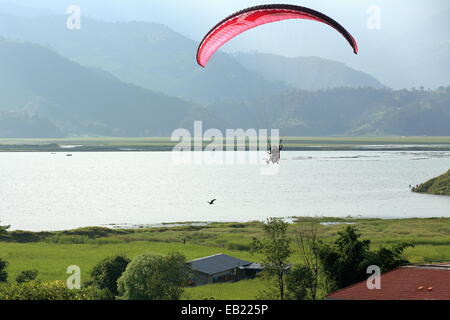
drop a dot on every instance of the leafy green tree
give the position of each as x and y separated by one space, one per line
3 273
106 273
388 259
275 246
308 245
4 231
150 277
299 280
27 276
346 262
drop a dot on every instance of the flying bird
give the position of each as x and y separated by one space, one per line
212 201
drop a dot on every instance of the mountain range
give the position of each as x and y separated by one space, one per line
410 48
306 73
141 79
153 56
37 83
356 112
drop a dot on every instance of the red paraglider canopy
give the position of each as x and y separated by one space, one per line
253 17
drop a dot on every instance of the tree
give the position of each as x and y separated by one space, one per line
346 262
4 231
388 259
299 282
106 273
308 244
3 273
27 276
150 277
275 246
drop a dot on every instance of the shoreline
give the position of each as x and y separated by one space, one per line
58 149
164 144
181 224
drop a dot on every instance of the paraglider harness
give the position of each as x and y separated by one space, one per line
274 152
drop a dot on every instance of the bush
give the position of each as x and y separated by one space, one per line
106 273
81 239
4 232
346 262
238 246
63 239
298 280
25 236
150 277
3 273
94 232
27 276
35 290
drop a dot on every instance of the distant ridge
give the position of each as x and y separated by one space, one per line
307 73
47 95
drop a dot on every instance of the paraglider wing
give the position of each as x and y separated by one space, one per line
253 17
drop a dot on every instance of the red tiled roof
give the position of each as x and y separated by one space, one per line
404 283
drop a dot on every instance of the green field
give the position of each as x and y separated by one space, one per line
52 253
165 144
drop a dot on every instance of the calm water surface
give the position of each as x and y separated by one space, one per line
43 191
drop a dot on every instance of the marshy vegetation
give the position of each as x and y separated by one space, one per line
439 185
52 252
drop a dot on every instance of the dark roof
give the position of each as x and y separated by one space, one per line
217 263
404 283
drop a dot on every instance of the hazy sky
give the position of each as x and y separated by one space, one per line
194 17
405 26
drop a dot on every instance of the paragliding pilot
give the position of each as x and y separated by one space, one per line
274 152
253 17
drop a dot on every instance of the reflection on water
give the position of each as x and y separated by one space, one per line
41 191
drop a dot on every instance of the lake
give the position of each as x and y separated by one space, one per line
43 191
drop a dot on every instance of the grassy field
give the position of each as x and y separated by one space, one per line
242 290
52 253
165 144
